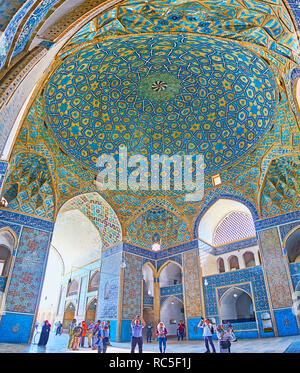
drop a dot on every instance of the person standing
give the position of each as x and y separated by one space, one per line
44 334
161 333
95 332
224 339
231 332
77 337
58 328
180 330
83 334
108 326
207 334
89 333
137 326
149 333
71 333
103 338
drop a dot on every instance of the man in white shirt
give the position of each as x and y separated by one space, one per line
207 334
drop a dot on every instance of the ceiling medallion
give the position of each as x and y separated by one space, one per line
159 86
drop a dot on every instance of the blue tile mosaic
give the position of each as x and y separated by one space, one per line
148 301
15 327
26 220
286 228
277 220
286 322
169 290
126 330
235 246
253 275
2 283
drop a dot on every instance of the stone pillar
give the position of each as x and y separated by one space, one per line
277 282
192 292
156 301
25 282
256 258
226 264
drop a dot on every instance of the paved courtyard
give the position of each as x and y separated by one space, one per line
58 344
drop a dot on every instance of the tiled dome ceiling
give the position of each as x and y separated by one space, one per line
170 94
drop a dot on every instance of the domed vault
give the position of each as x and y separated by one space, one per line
171 94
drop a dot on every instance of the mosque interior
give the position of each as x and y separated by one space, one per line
85 79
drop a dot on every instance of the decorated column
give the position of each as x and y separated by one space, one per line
277 281
192 290
24 284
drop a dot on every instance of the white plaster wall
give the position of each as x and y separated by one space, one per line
217 212
76 238
209 262
171 311
149 283
170 273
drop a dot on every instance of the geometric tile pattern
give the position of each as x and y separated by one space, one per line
29 188
245 287
193 307
109 277
253 275
89 116
275 269
132 289
235 226
25 284
157 225
266 24
169 290
281 189
95 208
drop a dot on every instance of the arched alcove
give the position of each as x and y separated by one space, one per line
171 274
249 259
226 221
148 281
171 312
94 281
236 305
106 291
69 315
73 288
221 265
233 263
7 245
91 311
292 246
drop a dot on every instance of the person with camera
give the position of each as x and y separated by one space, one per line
208 331
137 326
161 333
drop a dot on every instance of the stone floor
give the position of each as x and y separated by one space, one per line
57 344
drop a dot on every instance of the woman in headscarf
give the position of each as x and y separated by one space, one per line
161 333
44 334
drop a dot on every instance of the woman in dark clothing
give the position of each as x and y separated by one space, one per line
44 334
